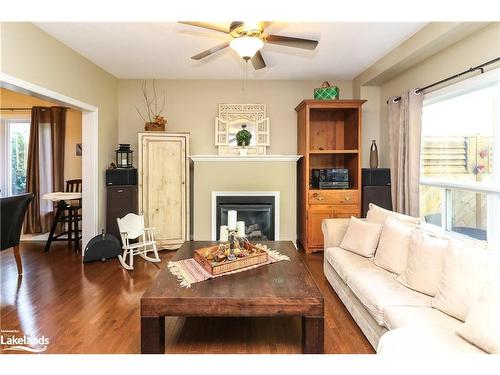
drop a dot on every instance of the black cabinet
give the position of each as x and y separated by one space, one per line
121 200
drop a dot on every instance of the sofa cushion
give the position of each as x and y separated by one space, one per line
334 231
392 250
403 316
361 237
482 326
464 275
419 340
378 215
425 263
377 289
345 263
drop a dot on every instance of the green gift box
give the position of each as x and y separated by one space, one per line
326 92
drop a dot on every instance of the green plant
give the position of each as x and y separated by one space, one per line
243 137
18 164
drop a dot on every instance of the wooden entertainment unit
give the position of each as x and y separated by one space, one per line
328 136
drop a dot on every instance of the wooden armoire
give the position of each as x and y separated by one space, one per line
328 136
163 173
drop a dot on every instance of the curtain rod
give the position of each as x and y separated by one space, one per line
16 109
470 70
23 108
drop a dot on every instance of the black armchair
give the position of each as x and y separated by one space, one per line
12 211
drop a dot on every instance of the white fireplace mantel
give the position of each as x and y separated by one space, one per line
263 158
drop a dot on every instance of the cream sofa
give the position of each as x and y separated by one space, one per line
393 317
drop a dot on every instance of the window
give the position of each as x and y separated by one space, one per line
15 155
460 170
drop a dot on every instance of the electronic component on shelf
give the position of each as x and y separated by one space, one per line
334 185
330 178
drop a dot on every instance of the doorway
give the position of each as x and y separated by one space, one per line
89 141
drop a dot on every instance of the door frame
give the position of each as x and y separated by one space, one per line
90 124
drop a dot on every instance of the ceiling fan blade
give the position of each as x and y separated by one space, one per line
207 25
258 61
234 25
292 42
208 52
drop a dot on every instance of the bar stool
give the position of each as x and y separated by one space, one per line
68 212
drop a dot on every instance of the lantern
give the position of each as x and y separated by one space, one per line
124 156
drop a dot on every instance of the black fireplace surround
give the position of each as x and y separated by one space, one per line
256 211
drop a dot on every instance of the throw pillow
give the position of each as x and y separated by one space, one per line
361 237
425 263
334 231
482 326
464 275
392 250
378 215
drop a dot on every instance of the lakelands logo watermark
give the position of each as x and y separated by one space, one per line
12 340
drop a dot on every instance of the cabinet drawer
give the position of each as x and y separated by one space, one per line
350 197
346 210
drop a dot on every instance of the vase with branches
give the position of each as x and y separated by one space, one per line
153 117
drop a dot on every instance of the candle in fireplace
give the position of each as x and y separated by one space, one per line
241 228
231 220
224 234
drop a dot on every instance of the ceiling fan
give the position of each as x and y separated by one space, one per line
248 39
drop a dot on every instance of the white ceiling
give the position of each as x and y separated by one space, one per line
163 50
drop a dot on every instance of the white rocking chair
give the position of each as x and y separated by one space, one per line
131 226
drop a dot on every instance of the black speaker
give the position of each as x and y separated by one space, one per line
376 188
121 176
120 200
376 177
379 195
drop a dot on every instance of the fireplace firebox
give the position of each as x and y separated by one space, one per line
258 213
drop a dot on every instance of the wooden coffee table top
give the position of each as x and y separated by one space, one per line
282 288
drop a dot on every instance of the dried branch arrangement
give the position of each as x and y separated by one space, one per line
153 118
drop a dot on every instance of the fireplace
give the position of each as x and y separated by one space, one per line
257 209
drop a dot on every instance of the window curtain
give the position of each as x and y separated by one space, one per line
45 169
405 126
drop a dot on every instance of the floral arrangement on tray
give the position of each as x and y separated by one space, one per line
217 259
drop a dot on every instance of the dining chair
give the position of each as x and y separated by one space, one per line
12 211
68 213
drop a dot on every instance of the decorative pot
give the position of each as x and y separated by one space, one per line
243 151
153 126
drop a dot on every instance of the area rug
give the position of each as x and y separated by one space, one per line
189 271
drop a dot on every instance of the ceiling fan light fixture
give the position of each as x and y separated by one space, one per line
246 46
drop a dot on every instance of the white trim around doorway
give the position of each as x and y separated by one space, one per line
90 172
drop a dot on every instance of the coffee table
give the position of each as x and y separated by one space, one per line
284 288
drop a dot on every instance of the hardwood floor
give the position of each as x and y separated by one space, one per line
94 308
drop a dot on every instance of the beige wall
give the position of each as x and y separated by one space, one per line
371 121
192 106
476 48
244 176
72 163
32 55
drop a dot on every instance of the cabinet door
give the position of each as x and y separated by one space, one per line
164 187
315 216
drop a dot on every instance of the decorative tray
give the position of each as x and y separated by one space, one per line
214 258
